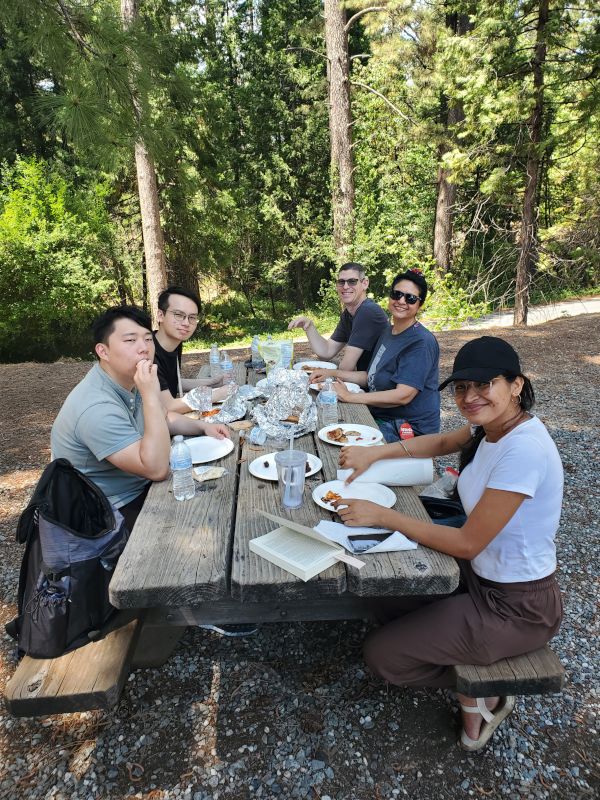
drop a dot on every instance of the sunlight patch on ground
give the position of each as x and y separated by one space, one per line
19 479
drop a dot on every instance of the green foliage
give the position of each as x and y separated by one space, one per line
57 265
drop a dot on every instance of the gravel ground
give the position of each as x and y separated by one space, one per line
292 712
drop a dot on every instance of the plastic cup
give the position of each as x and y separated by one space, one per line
291 469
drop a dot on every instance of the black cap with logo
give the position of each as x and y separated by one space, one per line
483 359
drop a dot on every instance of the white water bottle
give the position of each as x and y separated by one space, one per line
184 487
255 358
214 360
328 403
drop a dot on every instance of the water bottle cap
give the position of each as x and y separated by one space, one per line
178 438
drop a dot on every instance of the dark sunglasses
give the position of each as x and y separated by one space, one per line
350 281
411 299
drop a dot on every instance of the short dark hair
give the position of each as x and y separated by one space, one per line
163 297
104 325
355 267
416 277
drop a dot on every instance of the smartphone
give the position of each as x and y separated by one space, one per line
359 542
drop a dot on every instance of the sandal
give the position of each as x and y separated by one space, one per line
492 720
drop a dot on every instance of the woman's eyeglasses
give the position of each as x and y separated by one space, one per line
411 299
460 388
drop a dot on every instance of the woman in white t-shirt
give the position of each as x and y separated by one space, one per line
510 484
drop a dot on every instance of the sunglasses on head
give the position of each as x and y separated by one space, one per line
411 299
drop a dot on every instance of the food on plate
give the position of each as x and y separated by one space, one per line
266 464
307 368
292 418
307 467
331 496
340 435
210 413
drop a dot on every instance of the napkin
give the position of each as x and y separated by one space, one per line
339 533
395 472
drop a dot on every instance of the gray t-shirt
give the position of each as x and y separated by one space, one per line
410 358
97 419
362 330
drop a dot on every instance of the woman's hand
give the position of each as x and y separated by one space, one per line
359 513
217 430
319 375
357 458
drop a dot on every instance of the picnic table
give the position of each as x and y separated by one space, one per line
189 563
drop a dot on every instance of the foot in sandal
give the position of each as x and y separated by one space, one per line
481 717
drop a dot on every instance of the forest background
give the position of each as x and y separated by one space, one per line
245 149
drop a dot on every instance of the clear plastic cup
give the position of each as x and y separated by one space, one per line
291 469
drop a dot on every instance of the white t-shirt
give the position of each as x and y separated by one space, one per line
526 461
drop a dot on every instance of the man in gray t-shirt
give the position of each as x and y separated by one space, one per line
362 322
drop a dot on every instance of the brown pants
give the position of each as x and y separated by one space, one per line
482 623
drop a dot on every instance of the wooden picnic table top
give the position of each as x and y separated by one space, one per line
186 555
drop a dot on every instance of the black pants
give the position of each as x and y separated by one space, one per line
131 510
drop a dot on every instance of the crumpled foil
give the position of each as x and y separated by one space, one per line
289 397
193 399
233 408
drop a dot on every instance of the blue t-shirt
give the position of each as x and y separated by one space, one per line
99 418
410 358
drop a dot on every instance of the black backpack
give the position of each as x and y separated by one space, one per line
73 538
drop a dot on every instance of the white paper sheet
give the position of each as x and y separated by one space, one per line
339 533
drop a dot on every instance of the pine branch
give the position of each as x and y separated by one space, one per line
385 99
361 13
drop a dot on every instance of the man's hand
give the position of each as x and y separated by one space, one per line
359 512
217 430
214 381
300 322
222 393
146 379
339 387
319 375
357 458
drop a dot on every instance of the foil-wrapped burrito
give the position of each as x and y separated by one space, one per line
290 409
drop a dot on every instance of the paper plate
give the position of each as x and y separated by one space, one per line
366 435
269 472
207 448
315 365
352 387
375 492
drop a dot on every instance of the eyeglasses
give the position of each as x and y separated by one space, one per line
181 317
460 388
350 281
411 299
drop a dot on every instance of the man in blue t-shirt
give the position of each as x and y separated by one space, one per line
362 322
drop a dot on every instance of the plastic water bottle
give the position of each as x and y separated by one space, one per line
286 354
184 487
227 371
214 360
328 403
255 358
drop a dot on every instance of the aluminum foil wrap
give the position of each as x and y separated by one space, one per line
233 408
289 397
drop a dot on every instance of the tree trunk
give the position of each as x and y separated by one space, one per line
528 244
154 245
443 228
340 130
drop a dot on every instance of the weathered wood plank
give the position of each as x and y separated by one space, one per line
537 672
254 578
90 677
178 552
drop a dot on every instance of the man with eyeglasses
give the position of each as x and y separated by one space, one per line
362 322
177 319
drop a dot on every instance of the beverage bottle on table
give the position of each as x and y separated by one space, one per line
214 360
255 358
328 403
227 371
286 354
184 487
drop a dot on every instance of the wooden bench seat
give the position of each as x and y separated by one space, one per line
88 678
538 672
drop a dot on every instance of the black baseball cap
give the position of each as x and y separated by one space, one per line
483 359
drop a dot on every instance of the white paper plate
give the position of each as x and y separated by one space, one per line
366 435
207 448
375 492
269 473
352 387
315 365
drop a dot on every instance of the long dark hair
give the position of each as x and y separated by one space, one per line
526 403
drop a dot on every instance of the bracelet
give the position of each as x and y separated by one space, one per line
406 450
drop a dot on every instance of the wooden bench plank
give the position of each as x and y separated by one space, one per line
88 678
538 672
